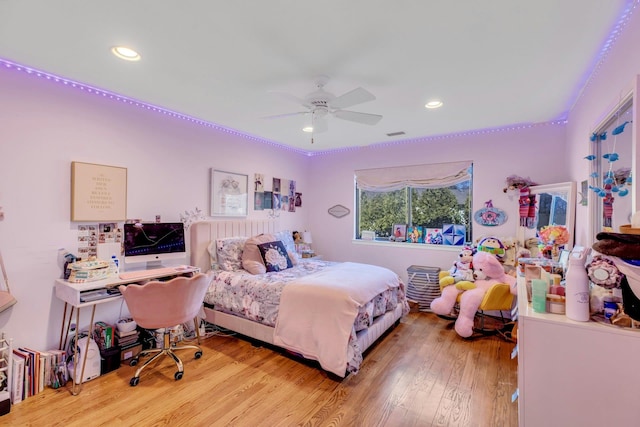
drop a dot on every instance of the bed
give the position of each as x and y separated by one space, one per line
320 310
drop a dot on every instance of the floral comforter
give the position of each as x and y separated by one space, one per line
257 297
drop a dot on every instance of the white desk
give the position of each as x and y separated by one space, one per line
70 293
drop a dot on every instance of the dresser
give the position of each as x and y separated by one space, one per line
575 373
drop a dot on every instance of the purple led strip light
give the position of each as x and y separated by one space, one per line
592 72
116 97
615 33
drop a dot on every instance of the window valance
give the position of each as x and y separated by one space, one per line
437 175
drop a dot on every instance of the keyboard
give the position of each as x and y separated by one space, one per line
95 295
154 273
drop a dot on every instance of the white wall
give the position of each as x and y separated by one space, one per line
536 152
44 126
612 80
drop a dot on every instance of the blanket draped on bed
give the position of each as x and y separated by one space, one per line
303 325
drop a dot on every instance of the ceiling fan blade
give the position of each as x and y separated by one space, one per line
291 97
279 116
356 96
320 124
364 118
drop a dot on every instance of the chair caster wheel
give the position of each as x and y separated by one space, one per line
198 355
178 375
133 362
134 381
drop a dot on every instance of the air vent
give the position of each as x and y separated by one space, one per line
395 133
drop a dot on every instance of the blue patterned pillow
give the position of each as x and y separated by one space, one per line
275 256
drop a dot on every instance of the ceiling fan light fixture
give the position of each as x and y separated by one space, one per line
436 103
125 53
307 129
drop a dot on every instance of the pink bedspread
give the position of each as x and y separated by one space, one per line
317 312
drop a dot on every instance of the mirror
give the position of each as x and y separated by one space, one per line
610 192
555 205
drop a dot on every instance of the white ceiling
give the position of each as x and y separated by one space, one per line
494 63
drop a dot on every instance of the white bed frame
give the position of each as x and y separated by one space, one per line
203 232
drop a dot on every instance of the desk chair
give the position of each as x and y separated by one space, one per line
156 305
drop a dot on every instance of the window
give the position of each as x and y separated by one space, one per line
426 196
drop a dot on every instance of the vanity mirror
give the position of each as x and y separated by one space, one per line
611 191
555 205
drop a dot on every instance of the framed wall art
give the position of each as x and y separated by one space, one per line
229 193
98 192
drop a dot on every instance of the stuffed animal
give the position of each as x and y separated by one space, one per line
493 245
297 237
462 269
532 244
487 272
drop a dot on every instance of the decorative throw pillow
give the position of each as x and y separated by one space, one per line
275 256
229 253
251 258
286 237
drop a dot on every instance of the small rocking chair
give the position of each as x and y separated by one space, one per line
498 298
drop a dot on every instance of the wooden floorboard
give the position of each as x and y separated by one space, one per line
420 374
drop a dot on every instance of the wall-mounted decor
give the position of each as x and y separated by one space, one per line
292 196
276 185
267 202
98 192
229 193
258 182
490 216
339 211
258 201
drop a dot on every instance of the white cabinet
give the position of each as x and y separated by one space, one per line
575 373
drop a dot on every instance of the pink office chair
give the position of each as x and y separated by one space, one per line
157 305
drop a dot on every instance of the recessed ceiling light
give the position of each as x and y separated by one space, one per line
125 53
436 103
307 129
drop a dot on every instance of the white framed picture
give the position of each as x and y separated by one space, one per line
229 193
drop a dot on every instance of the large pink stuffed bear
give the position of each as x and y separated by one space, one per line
487 272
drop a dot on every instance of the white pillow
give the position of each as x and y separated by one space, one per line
227 252
286 237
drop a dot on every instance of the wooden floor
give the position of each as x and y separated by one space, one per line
420 374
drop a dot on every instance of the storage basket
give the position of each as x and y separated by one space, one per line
424 285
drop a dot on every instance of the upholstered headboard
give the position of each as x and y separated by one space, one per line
201 233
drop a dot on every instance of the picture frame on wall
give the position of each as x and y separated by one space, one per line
267 202
98 192
229 193
258 201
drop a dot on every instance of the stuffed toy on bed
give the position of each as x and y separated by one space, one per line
487 272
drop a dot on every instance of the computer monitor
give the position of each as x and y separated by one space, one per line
154 243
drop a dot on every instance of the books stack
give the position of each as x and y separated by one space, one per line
129 343
33 370
103 335
126 339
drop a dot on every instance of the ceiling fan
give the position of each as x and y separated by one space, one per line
321 104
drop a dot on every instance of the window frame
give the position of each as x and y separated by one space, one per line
357 235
